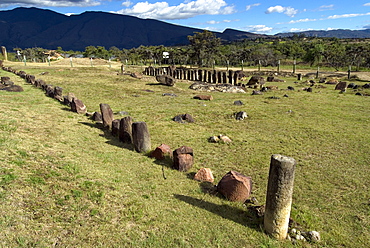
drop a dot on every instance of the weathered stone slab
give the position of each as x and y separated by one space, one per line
78 106
125 130
107 115
141 137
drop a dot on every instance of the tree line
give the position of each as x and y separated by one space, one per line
207 50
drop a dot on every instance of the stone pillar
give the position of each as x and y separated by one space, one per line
219 77
141 137
279 196
5 54
214 77
231 77
107 115
235 76
115 127
224 78
200 75
205 76
209 78
299 76
125 130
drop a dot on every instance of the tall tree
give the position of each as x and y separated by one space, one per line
205 47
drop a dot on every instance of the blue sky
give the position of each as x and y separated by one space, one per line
265 17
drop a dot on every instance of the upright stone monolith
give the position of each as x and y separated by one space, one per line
141 137
125 130
4 52
279 196
107 115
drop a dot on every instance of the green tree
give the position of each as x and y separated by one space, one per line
205 47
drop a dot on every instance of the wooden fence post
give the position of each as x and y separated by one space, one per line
279 196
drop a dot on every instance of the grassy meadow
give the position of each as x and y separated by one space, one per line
66 182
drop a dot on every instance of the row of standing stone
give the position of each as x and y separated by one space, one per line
209 76
281 175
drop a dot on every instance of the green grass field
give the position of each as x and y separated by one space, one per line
66 182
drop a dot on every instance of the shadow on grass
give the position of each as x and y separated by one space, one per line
234 214
112 140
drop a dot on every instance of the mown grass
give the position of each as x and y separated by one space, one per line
64 181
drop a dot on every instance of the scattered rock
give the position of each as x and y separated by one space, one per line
241 115
165 80
183 118
224 139
257 92
161 151
136 75
13 88
256 81
204 175
238 103
169 94
312 236
203 97
97 117
341 86
235 186
213 139
183 158
228 88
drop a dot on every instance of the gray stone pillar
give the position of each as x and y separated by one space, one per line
141 137
125 130
279 196
230 77
4 52
224 78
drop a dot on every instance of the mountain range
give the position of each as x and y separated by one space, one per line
34 27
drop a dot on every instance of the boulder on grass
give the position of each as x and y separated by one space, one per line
78 106
165 80
204 175
161 151
204 97
183 158
235 186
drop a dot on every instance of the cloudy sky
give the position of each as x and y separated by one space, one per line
266 17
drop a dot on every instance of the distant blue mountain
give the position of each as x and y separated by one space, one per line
34 27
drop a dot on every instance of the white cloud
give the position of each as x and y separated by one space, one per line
163 11
299 29
326 7
302 20
127 3
258 29
347 15
289 11
213 22
367 4
50 3
248 7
